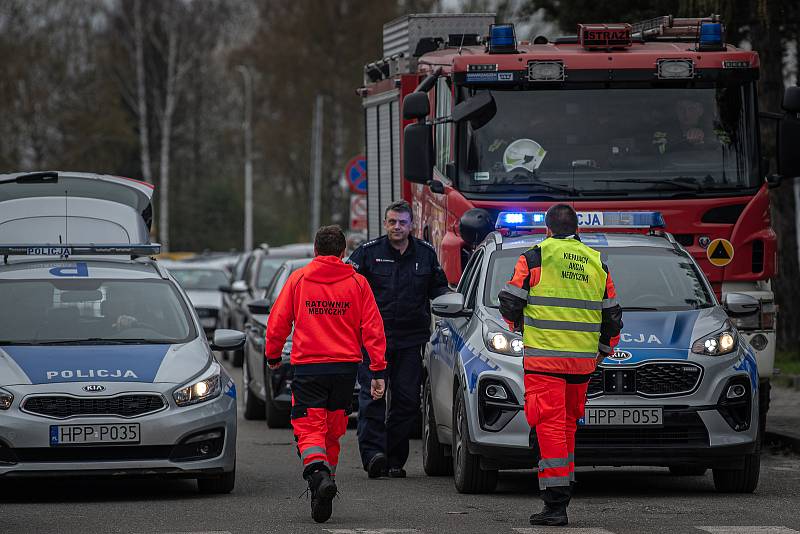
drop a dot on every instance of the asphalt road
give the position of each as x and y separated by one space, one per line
268 498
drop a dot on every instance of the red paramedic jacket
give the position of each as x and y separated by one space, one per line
334 315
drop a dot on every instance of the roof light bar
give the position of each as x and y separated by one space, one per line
65 251
527 220
502 39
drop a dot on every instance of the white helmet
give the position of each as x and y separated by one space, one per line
523 153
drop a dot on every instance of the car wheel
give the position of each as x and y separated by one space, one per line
223 483
467 473
687 470
253 406
739 480
434 460
276 417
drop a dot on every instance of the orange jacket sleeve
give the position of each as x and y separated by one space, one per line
281 319
372 334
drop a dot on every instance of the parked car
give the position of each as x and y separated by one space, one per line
202 282
250 278
680 391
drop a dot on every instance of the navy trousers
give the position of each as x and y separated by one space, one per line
384 425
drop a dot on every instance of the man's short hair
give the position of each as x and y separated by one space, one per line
400 206
561 219
330 241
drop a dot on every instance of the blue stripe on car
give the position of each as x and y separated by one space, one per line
96 363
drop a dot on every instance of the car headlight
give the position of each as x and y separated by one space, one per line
717 344
6 399
205 388
504 342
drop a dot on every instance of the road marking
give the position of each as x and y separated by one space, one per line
736 529
561 530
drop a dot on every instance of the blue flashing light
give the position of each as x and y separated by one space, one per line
502 39
710 36
586 219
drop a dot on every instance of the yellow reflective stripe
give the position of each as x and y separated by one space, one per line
561 339
531 352
562 325
516 291
575 304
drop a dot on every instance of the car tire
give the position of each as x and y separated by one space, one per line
739 480
253 406
434 460
275 416
687 470
468 476
220 484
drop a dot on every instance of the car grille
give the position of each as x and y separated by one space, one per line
123 405
650 379
679 430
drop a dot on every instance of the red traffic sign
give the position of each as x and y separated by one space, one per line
358 212
356 174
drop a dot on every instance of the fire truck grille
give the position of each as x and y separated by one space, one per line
652 379
124 405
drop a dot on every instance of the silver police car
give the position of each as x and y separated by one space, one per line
680 391
104 370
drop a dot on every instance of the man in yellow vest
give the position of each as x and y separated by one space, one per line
563 300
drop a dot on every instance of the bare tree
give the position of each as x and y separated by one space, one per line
141 92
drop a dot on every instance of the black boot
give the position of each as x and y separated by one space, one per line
323 490
554 513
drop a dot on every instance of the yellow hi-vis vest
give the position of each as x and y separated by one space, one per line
564 310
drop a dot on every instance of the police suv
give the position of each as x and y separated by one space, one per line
680 391
104 369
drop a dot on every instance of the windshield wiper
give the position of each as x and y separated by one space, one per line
690 186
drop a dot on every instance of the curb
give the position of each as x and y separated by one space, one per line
782 440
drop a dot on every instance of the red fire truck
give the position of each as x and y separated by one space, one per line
655 116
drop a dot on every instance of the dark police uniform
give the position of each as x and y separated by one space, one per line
403 286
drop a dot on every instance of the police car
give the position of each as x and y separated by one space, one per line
104 369
680 391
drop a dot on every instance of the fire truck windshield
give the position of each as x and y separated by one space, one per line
631 141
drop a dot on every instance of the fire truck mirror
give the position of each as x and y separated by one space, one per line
475 225
478 110
418 152
416 106
788 155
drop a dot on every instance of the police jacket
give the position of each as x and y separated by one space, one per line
403 286
566 300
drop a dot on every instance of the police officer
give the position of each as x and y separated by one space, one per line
404 274
563 299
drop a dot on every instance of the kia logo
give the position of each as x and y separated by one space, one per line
94 388
620 356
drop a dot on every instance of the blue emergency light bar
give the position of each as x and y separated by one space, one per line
65 251
502 39
710 36
528 220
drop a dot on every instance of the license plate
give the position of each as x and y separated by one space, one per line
88 434
623 417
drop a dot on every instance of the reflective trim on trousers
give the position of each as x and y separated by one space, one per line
547 463
531 352
571 458
610 303
560 302
549 482
313 450
561 325
516 291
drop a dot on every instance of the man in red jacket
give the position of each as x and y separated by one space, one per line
334 315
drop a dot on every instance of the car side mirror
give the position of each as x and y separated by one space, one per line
259 307
239 286
448 305
227 339
740 304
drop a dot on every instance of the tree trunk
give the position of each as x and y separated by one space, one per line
141 93
166 133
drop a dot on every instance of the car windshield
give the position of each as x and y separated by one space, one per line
93 311
200 279
622 141
267 269
646 278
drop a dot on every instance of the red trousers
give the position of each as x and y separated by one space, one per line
553 407
319 418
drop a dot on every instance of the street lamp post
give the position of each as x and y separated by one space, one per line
248 157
